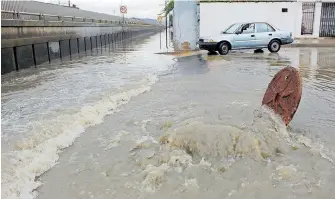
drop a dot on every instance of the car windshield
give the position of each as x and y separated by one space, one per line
231 29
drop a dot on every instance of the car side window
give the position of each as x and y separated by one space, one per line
263 27
270 28
248 28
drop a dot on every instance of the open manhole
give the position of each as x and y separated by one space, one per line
284 93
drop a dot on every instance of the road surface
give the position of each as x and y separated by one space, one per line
134 124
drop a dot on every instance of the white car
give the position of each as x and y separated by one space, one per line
253 35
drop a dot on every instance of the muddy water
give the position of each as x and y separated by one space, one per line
143 125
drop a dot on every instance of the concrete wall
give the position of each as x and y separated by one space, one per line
21 32
26 44
185 25
215 17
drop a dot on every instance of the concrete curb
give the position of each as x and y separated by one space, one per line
312 42
311 45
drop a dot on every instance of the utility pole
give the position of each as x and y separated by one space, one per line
185 36
166 16
69 3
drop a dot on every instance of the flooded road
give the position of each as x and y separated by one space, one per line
144 125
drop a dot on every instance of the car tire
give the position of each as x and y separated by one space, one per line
274 46
223 48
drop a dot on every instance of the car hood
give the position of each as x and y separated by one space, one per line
219 37
206 37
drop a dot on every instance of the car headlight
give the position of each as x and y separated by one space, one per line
208 40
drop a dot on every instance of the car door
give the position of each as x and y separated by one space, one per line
264 34
246 37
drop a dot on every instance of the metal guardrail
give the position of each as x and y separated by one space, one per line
6 14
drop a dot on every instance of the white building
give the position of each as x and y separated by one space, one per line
305 18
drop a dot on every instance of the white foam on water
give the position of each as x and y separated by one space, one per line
179 159
145 138
232 192
39 153
116 140
241 103
203 162
222 141
154 177
144 142
285 172
316 147
194 148
144 125
191 183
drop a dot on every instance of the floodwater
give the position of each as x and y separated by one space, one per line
134 124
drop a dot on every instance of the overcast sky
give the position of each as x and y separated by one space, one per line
136 8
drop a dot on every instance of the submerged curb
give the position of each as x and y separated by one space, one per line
315 45
312 43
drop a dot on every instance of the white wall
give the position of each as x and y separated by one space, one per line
317 18
215 17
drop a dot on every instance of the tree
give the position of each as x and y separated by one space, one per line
169 7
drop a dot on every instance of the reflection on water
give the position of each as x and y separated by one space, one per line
318 70
191 65
24 79
317 67
316 61
313 63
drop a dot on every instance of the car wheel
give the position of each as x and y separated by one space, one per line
223 48
274 46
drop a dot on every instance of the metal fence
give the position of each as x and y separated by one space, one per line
327 22
5 14
307 18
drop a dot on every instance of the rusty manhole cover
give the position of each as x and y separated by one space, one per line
284 93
